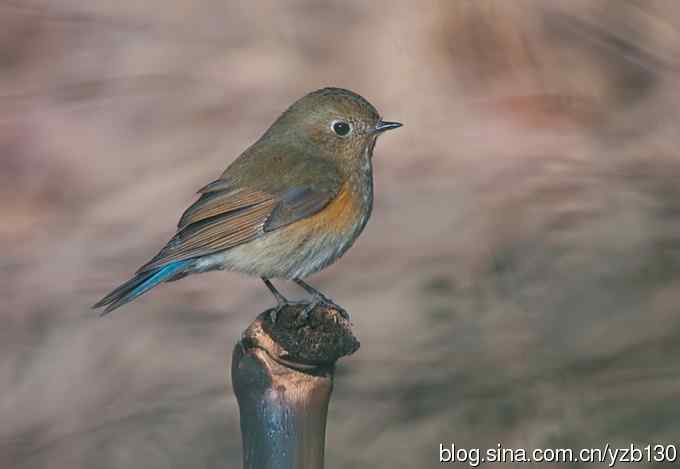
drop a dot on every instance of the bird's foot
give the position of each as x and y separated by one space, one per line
322 300
280 306
319 299
274 313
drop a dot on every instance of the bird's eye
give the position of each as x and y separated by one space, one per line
341 128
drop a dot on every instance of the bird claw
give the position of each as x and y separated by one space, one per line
304 314
274 312
319 299
325 301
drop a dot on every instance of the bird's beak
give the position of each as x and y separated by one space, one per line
382 126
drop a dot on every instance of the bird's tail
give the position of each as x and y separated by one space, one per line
140 284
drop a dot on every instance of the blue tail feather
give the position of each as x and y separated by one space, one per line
140 284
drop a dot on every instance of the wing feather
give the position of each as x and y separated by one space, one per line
216 203
214 234
297 203
235 210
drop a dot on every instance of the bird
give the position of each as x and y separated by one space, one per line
289 206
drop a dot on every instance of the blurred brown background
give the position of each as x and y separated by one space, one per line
519 281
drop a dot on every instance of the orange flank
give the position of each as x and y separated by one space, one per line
338 217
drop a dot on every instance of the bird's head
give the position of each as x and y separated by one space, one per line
336 122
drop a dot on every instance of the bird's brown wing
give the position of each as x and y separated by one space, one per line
258 193
224 218
221 202
297 203
215 222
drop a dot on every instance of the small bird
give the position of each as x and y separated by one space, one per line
289 206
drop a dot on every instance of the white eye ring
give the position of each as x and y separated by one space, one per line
341 128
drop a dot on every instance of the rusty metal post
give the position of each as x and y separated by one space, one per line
282 376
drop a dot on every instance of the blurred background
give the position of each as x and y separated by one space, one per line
519 280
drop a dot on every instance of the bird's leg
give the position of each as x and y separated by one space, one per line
281 300
319 298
